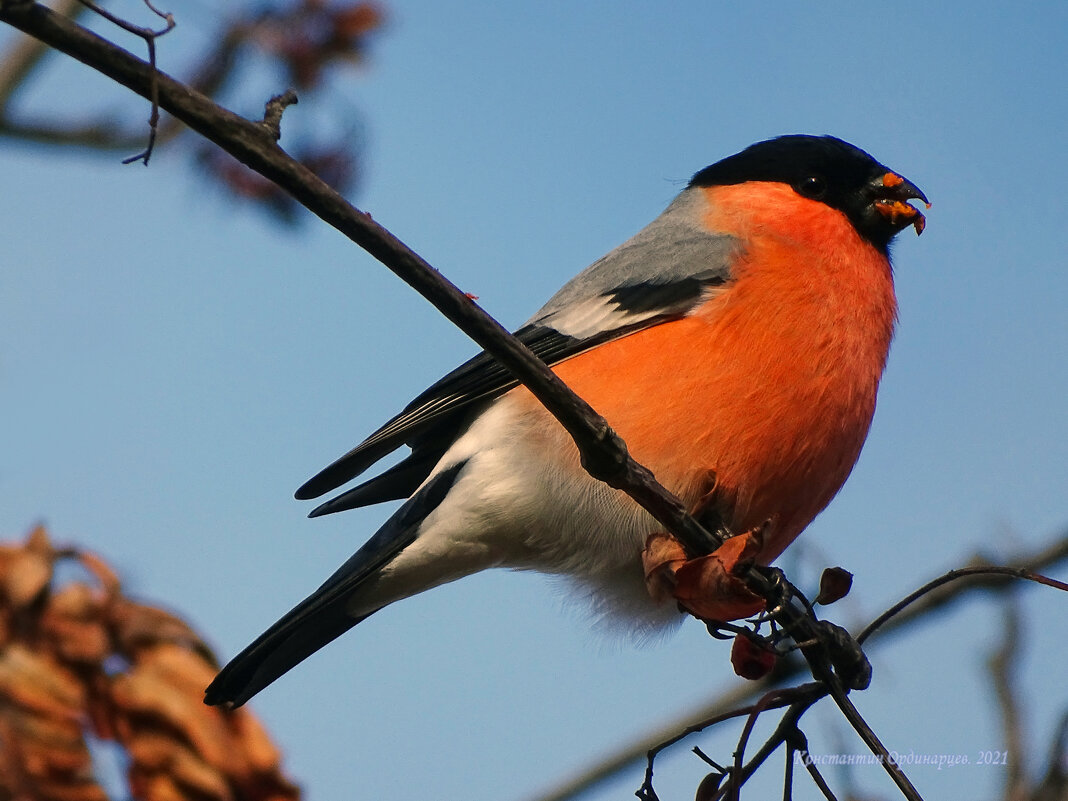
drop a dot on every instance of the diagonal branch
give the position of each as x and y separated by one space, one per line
604 455
603 452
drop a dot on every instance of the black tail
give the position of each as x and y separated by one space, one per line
323 616
276 651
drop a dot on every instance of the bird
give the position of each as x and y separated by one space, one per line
736 344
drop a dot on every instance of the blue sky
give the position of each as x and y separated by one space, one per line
173 366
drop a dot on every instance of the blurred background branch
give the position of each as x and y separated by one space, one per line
302 42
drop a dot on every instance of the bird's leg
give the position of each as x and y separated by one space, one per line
710 587
784 594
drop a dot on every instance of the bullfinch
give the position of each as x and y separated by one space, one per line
736 344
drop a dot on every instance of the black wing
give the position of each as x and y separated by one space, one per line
431 422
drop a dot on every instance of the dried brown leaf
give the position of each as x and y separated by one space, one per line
34 682
25 577
710 586
151 697
101 715
253 740
184 669
76 601
38 541
49 746
81 789
42 761
662 556
154 753
192 774
151 751
78 642
109 582
50 731
139 626
835 583
160 787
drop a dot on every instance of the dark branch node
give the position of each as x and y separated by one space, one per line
846 656
273 111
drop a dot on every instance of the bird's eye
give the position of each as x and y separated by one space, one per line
813 186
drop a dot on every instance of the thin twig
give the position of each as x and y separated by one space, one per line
821 672
101 134
798 743
759 707
810 692
106 133
787 724
150 37
1006 573
788 771
814 690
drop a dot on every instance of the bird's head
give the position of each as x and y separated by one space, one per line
830 171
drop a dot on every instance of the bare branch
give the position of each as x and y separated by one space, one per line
1054 785
798 743
101 134
150 37
735 780
782 732
145 33
806 693
1004 575
604 454
1002 666
725 705
871 739
26 55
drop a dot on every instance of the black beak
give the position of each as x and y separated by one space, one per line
891 193
891 186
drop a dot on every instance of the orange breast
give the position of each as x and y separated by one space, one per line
770 386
